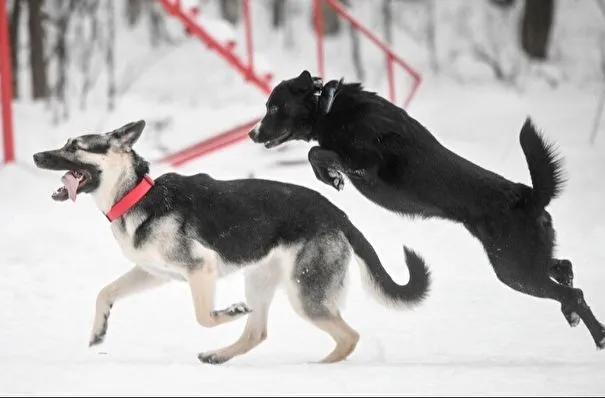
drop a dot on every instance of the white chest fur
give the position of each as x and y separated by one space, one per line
152 254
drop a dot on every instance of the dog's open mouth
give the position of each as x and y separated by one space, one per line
72 181
279 140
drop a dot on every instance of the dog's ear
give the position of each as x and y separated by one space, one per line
127 135
302 84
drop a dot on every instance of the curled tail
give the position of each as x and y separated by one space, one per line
380 283
545 167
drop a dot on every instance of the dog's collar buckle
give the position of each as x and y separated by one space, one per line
325 95
130 199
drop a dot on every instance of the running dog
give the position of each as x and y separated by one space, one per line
396 163
197 229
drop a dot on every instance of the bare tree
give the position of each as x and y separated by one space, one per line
230 10
111 67
157 27
356 53
431 34
15 19
331 22
36 50
87 11
134 9
387 20
66 10
278 8
536 27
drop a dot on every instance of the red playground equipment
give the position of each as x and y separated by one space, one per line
261 79
252 72
6 88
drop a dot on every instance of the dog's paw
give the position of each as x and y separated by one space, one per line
337 180
601 343
96 339
573 319
237 309
211 358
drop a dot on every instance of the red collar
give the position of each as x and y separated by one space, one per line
130 199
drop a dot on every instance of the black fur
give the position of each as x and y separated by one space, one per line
395 162
245 219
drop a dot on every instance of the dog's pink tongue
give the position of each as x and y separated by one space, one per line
71 184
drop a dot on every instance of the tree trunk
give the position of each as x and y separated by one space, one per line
111 67
15 20
387 20
134 9
536 27
356 54
431 35
330 20
230 10
36 50
278 13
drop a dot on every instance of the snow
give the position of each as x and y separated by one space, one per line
473 335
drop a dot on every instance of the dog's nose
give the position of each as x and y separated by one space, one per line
37 157
253 133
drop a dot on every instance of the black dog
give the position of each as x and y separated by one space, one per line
398 164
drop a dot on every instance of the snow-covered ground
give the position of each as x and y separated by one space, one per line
473 336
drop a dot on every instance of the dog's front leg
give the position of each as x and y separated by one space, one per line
328 167
202 282
134 281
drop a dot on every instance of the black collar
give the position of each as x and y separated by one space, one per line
325 96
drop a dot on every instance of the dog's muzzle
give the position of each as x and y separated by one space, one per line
253 134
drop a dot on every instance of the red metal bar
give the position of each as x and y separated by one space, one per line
219 141
319 34
391 55
248 30
383 46
391 77
6 83
228 55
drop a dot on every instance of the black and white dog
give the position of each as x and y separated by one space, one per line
197 229
396 163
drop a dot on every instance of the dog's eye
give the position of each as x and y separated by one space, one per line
273 110
72 146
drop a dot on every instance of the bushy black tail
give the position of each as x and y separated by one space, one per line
380 283
545 167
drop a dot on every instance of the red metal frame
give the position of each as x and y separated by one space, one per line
219 141
245 68
262 82
391 56
224 49
6 87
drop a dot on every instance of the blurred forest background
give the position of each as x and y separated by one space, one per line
62 50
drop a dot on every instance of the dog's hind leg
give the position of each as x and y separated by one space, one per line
134 281
260 285
573 302
202 283
561 271
316 287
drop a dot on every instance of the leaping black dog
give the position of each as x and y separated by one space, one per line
395 162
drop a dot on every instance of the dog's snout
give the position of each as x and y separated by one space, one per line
37 157
253 134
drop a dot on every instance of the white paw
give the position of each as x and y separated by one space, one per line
238 309
575 319
337 180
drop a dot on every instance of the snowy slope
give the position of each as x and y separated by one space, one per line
473 336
